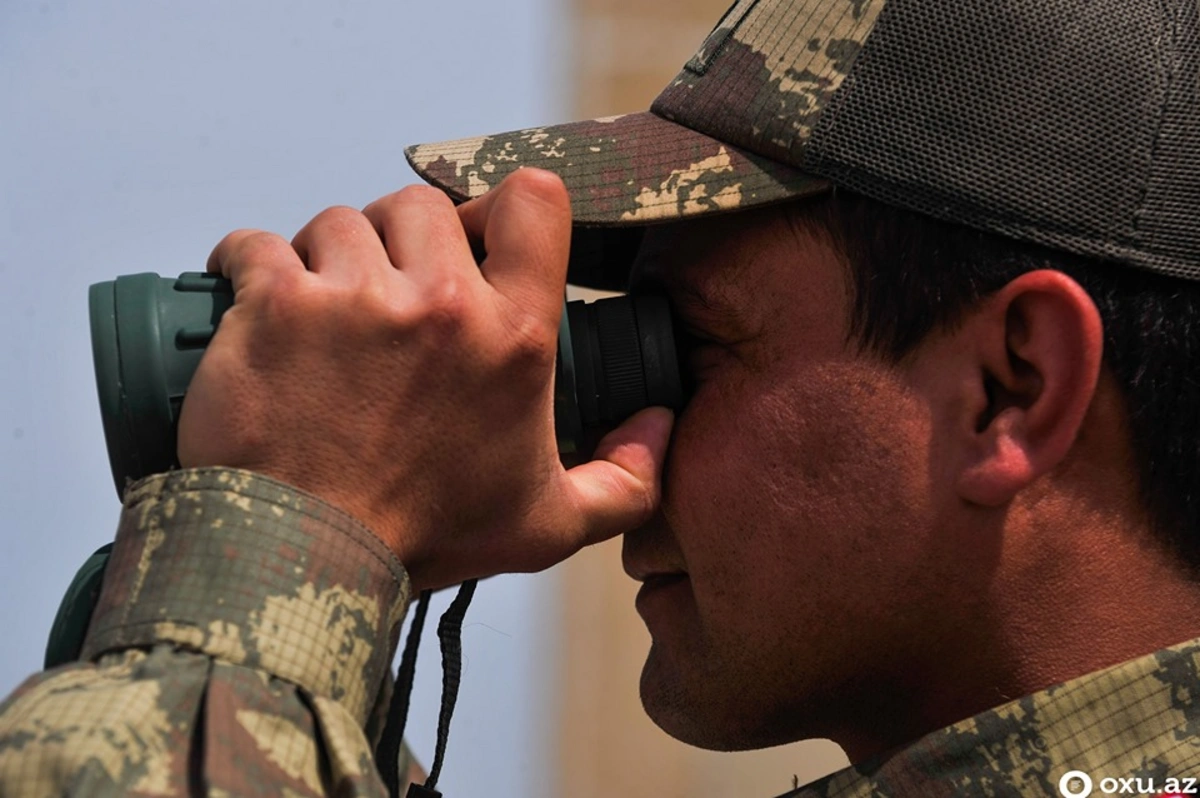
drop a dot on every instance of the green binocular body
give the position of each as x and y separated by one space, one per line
615 356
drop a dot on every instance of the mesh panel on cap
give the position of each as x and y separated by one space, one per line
777 64
1170 217
1068 123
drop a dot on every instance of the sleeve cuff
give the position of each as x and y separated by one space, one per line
257 573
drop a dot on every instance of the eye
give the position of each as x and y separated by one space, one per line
695 351
687 340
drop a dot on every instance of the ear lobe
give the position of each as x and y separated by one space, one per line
1040 344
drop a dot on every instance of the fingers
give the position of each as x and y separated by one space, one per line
525 227
341 244
414 224
253 257
620 489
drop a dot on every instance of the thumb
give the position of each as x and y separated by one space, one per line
524 225
621 487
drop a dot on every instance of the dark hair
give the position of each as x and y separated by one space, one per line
911 274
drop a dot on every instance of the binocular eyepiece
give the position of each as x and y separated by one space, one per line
615 357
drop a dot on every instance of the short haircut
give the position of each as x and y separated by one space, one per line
911 274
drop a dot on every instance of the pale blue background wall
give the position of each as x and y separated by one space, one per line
133 135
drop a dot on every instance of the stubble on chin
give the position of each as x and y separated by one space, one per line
694 708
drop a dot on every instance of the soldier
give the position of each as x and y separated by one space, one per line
934 496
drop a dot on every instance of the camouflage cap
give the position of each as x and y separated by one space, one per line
1070 123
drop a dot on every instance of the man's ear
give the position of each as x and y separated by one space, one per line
1037 348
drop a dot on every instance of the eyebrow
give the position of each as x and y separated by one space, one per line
691 296
702 306
687 297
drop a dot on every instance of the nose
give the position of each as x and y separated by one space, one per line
651 549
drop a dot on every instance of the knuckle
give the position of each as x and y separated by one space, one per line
446 305
287 301
408 199
533 341
292 285
340 222
402 319
421 194
230 241
423 201
257 247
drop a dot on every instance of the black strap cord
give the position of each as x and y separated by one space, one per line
387 753
450 635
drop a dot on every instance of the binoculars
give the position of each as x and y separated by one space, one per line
615 357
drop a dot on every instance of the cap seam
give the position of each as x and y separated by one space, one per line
813 150
702 67
761 103
1167 69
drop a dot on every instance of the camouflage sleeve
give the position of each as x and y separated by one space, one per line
240 647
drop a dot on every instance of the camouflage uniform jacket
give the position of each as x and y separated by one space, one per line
1133 729
242 642
240 647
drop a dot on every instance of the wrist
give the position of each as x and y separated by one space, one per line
251 571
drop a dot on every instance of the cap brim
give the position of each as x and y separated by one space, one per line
620 171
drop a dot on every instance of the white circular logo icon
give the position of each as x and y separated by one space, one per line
1084 780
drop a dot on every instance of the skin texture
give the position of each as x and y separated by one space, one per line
866 551
844 548
373 363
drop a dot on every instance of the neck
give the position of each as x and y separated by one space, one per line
1076 589
1091 591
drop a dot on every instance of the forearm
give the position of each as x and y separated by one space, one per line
242 642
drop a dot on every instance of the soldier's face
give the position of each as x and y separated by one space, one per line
797 546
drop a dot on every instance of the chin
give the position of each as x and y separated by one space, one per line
704 711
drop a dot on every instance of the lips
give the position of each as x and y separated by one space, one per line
661 597
647 573
654 581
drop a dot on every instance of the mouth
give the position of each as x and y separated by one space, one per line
649 564
655 581
649 555
659 592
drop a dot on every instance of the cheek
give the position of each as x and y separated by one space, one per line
782 488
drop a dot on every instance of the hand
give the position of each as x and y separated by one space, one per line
372 363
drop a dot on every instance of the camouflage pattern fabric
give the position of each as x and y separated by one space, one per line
728 133
634 169
1136 724
240 647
